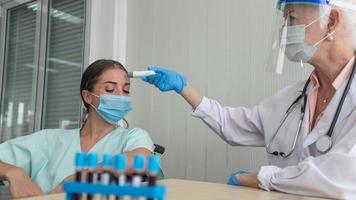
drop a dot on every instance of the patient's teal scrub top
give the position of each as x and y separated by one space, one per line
48 155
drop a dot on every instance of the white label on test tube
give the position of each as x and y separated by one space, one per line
95 178
105 178
136 181
122 180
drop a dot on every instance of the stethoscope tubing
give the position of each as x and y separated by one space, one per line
303 108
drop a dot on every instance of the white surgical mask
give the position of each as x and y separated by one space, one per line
297 50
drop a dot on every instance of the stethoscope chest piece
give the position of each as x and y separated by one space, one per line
324 144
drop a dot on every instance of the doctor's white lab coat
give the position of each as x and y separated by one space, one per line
306 171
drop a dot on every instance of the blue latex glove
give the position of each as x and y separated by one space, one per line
166 80
233 180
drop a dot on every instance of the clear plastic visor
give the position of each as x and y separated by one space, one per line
299 29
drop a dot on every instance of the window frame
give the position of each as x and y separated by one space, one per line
41 44
3 45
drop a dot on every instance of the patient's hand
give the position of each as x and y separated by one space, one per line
21 185
59 188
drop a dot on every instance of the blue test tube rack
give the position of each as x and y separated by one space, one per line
156 192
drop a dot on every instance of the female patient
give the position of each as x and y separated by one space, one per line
38 163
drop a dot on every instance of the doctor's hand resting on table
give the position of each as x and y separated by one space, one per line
39 163
308 128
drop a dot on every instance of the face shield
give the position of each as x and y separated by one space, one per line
301 26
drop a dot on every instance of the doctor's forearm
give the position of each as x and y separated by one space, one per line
192 96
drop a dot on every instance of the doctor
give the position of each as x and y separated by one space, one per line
309 128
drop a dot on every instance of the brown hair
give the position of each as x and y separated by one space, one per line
93 72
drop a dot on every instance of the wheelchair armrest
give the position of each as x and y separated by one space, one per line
159 149
4 191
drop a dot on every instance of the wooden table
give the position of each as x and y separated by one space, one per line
185 189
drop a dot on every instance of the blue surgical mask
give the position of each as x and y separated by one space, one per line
113 108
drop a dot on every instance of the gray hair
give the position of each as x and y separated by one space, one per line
350 18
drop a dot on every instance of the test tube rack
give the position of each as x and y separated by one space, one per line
155 192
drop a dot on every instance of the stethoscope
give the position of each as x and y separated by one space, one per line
324 143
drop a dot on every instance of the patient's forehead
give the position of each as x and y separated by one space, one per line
118 76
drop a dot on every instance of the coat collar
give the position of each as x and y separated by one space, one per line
324 124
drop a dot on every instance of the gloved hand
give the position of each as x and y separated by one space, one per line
233 180
166 80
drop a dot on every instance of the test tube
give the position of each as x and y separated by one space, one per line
105 176
153 169
79 174
121 166
138 168
92 171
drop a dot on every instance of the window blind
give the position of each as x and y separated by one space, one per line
18 98
64 64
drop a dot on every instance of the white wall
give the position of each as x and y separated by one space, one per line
222 47
107 36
